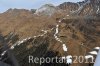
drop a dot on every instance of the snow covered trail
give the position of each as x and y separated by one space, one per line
24 40
45 32
18 43
58 39
56 32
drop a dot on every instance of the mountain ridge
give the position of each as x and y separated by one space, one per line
55 34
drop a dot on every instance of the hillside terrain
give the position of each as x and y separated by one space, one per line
66 29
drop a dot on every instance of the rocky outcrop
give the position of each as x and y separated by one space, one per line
86 7
69 6
47 9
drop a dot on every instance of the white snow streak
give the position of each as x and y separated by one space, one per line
97 10
93 52
19 43
64 47
58 39
97 48
88 56
3 53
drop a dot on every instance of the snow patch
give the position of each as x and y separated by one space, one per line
93 52
88 56
97 48
3 53
67 15
64 47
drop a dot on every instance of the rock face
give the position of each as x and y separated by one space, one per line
90 7
87 7
47 9
68 6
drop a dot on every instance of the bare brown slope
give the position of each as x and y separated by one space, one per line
24 22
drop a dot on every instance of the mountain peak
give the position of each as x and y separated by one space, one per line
47 9
48 5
